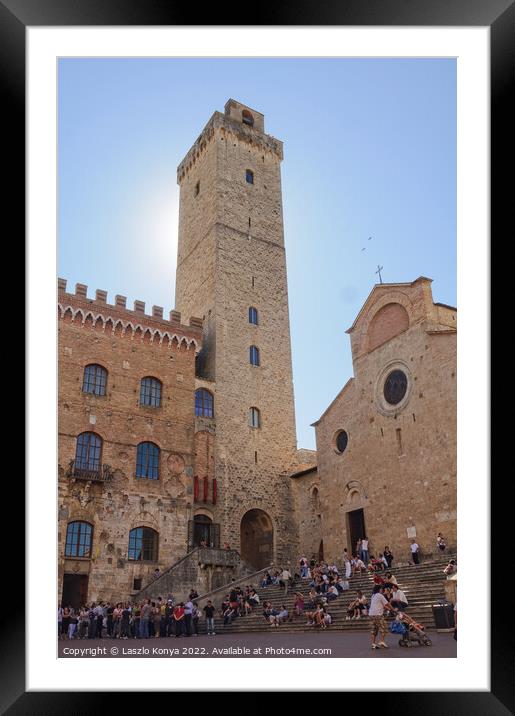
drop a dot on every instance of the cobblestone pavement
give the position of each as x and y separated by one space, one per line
259 645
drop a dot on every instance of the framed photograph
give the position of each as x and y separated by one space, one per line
214 468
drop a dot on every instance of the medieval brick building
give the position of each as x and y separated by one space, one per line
126 443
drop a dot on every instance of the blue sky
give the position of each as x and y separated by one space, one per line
369 151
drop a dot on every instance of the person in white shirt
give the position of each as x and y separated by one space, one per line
346 561
364 550
399 600
378 604
358 564
285 580
414 552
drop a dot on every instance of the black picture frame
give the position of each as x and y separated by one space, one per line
15 17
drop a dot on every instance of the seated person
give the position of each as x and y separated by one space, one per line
389 580
357 606
267 579
332 593
342 585
229 615
358 566
399 599
253 598
451 568
312 599
377 563
274 613
377 579
283 615
314 618
319 618
267 610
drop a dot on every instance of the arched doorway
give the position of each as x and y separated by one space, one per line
257 538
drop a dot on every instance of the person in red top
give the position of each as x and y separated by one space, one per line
378 579
178 619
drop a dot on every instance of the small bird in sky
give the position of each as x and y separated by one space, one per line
364 248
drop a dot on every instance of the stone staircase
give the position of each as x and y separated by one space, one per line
423 585
202 567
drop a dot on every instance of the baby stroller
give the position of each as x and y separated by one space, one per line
410 631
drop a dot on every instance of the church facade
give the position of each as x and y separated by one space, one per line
386 445
180 433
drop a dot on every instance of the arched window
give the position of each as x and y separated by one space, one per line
204 403
95 379
254 355
88 452
249 176
143 544
150 392
247 118
78 539
253 316
254 418
147 461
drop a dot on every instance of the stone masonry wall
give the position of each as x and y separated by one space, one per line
231 256
400 463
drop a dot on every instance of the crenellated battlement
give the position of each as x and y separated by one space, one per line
226 124
121 320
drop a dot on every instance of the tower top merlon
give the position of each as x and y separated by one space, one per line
238 120
241 113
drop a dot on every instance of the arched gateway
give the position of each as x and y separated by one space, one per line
257 538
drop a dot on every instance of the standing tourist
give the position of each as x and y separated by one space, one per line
358 548
346 563
388 556
83 622
65 622
285 580
414 552
59 621
188 617
146 614
178 619
364 549
440 542
99 619
304 568
125 627
209 611
109 618
195 616
73 624
378 604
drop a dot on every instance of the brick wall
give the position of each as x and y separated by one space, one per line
115 507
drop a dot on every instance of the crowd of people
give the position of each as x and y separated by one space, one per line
322 584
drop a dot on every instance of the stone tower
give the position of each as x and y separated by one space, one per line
231 270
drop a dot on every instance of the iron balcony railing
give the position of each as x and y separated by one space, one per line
102 474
